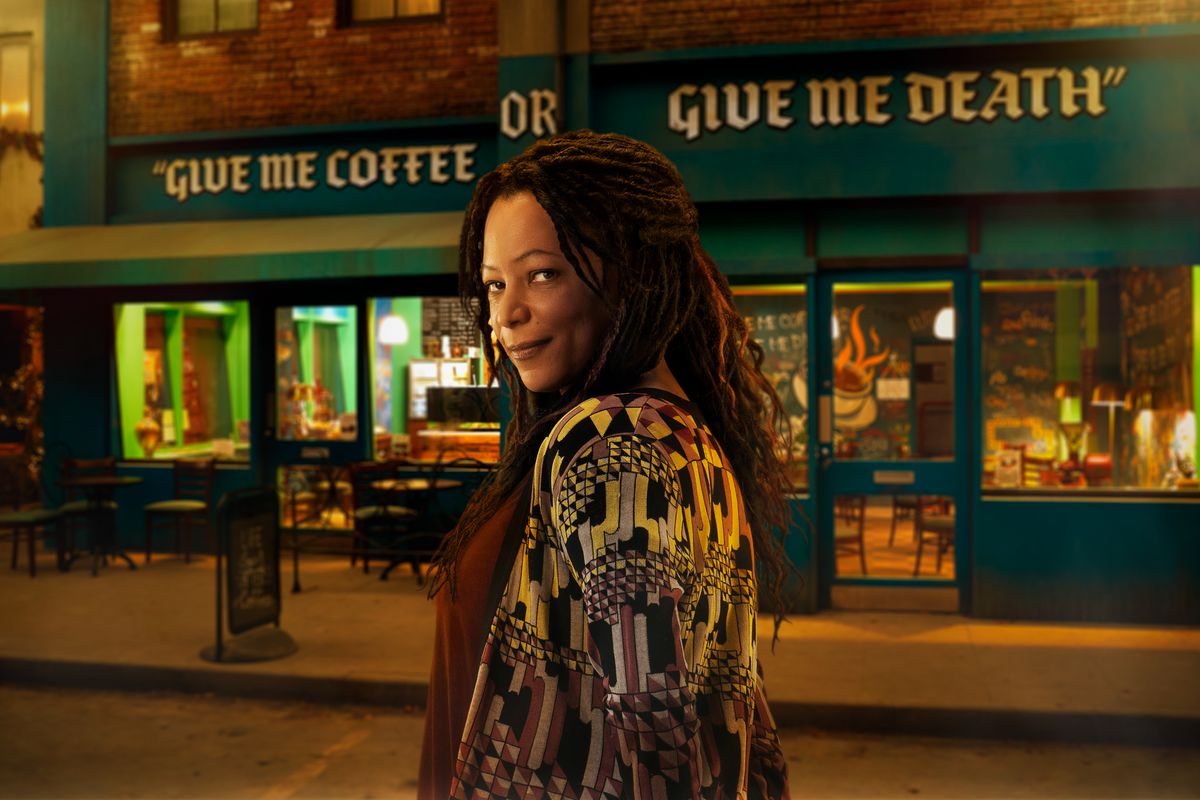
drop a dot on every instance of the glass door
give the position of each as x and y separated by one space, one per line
891 438
314 429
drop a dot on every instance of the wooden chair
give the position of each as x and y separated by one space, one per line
26 520
187 509
934 524
849 520
904 506
77 509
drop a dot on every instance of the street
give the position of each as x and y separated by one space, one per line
86 744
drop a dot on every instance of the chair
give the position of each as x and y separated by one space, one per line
904 506
934 525
376 514
433 521
849 519
26 520
78 507
313 492
187 509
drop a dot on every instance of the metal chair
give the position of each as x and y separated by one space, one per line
25 520
79 508
849 520
378 518
187 509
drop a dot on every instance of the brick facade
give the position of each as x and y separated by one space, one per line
299 68
631 25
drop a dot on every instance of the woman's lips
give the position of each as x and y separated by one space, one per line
526 350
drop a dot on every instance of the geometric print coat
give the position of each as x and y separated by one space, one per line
621 661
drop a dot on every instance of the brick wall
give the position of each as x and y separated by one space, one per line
623 25
299 68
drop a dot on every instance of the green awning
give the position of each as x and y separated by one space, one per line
227 251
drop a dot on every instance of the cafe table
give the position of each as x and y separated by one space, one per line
98 490
404 485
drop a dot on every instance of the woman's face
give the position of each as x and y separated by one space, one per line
546 319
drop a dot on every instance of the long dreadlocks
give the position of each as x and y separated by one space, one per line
625 202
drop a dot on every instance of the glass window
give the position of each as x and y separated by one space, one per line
183 376
198 17
893 371
316 371
893 536
372 10
1089 378
432 396
15 82
778 320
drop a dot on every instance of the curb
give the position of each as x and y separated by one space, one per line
972 723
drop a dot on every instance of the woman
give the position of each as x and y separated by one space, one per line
596 604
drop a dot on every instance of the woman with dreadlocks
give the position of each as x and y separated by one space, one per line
596 631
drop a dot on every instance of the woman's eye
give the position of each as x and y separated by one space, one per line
542 275
493 286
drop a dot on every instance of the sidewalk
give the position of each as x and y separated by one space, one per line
362 640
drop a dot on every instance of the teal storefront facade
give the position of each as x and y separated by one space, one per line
968 167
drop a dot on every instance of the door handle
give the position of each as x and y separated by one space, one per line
825 420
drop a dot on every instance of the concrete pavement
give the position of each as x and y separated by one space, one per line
364 640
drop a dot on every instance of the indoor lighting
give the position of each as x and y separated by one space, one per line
1110 396
393 330
943 324
837 331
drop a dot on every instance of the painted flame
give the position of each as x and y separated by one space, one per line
853 365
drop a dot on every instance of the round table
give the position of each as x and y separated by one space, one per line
98 490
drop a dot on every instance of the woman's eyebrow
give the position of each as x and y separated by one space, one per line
536 251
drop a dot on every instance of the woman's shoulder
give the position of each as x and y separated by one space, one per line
640 414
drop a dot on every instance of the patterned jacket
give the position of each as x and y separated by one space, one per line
621 662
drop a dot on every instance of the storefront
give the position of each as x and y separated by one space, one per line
971 263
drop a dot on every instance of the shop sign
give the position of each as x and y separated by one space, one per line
358 178
1016 118
960 95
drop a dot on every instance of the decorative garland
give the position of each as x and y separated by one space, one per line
21 394
29 141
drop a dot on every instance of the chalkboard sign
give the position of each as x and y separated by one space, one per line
778 321
1018 333
249 529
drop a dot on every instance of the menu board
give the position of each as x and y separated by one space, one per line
1018 370
1156 313
251 530
778 321
444 317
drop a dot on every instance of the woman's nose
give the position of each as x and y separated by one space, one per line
510 309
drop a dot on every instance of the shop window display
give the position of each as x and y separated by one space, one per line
1089 379
432 398
778 320
893 371
183 379
316 370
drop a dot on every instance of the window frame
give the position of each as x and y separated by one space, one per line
345 16
170 23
